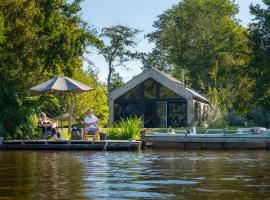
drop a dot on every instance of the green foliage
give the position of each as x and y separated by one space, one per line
260 43
157 59
95 99
39 39
28 128
117 52
260 117
215 117
129 128
113 133
205 38
49 104
235 119
116 81
1 28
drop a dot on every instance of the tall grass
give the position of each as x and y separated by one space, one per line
129 128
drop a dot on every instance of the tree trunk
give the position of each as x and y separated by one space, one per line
109 87
109 79
70 114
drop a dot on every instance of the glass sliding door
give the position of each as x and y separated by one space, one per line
177 114
149 115
161 116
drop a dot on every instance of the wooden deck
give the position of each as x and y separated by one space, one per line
108 145
204 142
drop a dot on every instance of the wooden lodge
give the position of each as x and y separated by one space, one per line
160 99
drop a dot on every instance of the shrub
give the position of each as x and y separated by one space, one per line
18 120
260 117
215 117
235 119
27 129
113 133
129 128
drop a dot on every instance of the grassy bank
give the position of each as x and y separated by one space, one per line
131 129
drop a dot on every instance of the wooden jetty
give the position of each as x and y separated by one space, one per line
204 142
104 145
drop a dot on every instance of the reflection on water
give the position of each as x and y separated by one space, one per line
133 175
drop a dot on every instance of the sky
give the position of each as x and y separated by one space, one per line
139 14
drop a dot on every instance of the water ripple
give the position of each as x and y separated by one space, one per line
130 175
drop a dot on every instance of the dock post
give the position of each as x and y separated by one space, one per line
223 146
202 146
268 146
185 145
129 144
143 143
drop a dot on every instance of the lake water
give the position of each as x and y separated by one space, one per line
27 175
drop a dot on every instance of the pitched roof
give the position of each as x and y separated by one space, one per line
196 94
151 72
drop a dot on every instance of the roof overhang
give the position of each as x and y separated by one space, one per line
162 78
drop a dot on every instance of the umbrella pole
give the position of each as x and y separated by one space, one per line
61 113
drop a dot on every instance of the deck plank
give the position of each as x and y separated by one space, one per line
111 145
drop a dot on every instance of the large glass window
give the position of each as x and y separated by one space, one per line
150 88
165 93
126 109
134 93
177 114
149 115
150 92
149 100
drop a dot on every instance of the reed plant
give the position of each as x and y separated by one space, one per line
125 129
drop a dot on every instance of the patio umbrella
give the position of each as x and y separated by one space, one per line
58 86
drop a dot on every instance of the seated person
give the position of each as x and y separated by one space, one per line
46 124
91 123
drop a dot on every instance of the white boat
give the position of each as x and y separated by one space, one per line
241 132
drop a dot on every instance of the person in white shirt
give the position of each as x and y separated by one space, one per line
91 123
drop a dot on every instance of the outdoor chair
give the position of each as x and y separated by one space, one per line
90 136
45 132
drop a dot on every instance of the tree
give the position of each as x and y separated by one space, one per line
116 81
1 28
96 99
260 43
117 52
205 38
156 59
40 39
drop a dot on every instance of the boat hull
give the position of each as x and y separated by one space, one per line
197 142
